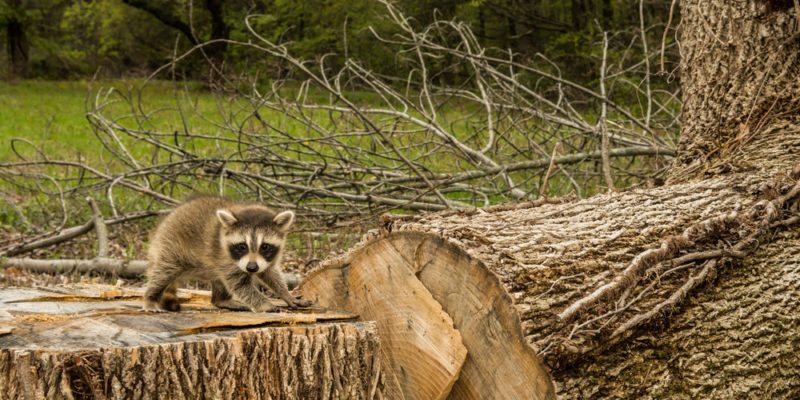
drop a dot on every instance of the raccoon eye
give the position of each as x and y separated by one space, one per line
267 250
238 250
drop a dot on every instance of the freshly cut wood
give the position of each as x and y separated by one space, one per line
418 338
481 310
94 342
500 364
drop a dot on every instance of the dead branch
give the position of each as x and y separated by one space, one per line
121 268
74 232
100 228
487 135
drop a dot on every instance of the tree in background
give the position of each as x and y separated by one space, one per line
61 38
198 22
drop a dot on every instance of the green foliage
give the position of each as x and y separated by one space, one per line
76 38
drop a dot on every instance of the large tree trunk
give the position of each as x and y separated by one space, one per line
591 296
17 41
740 73
69 345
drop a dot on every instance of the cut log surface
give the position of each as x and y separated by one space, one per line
452 297
93 342
423 348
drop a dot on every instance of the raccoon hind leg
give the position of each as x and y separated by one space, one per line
161 281
222 298
169 298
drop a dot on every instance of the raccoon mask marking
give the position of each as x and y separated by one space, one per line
253 237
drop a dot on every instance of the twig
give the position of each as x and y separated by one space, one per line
543 190
664 37
603 123
100 227
672 301
75 231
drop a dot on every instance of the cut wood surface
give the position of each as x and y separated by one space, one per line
445 291
420 343
90 341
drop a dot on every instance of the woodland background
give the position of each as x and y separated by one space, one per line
99 97
52 39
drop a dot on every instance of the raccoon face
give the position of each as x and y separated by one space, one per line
254 237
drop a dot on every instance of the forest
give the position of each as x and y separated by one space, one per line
402 199
77 39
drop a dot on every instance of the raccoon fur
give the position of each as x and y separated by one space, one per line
235 246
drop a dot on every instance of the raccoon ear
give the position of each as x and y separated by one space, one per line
226 217
284 220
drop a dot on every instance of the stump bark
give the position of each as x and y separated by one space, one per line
93 342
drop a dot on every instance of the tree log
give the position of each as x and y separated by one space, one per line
585 276
504 274
93 342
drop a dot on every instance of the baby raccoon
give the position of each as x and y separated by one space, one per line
235 246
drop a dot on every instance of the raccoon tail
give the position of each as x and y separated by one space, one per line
169 299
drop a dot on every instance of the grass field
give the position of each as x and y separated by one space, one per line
52 114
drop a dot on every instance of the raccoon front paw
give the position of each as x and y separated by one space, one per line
301 302
297 301
152 306
267 307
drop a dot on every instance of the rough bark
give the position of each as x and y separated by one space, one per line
740 70
68 345
738 337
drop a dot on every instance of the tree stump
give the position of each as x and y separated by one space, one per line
94 342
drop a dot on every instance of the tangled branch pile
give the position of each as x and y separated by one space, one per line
470 126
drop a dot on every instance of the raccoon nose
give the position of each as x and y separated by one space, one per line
252 267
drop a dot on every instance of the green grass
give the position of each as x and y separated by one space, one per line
47 113
52 114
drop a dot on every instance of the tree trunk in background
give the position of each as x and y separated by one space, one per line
596 290
608 15
219 30
740 73
17 41
579 11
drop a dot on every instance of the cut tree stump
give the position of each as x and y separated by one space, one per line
93 341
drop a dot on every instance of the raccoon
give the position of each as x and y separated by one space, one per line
235 246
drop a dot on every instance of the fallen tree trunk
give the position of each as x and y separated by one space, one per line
562 283
93 342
